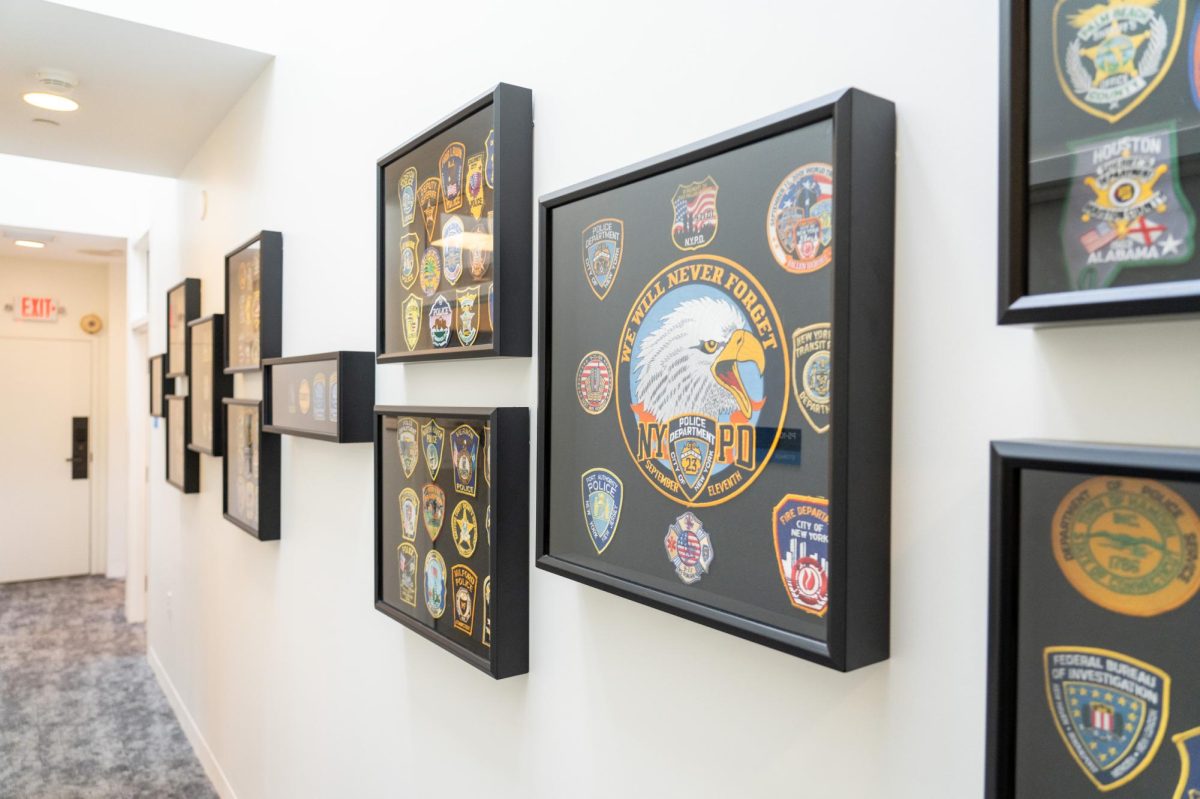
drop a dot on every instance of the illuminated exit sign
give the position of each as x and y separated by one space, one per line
35 309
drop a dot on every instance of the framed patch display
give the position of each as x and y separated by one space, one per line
183 305
329 396
208 385
1092 669
159 384
183 464
1099 156
715 380
452 530
250 471
455 234
254 303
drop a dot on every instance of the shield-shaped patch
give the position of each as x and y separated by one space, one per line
408 259
811 379
406 557
1188 744
450 168
452 253
433 509
467 315
408 195
433 437
691 444
475 196
410 511
412 320
464 451
695 214
427 201
602 492
406 442
602 246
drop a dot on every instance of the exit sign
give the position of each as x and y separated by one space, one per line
35 309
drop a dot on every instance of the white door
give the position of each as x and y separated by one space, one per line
45 528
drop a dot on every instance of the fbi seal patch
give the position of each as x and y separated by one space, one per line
408 259
407 190
475 196
463 581
412 320
435 583
800 219
702 380
406 444
467 316
602 247
802 550
694 206
410 511
452 254
431 271
433 509
450 168
593 382
1129 545
689 548
441 320
464 528
464 451
433 438
1110 710
811 365
406 557
601 506
427 201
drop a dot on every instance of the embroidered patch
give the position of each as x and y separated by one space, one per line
487 611
800 219
452 256
601 492
489 171
695 214
407 190
602 248
1188 744
475 196
593 382
433 438
479 251
427 201
433 509
435 583
441 320
410 511
464 528
464 450
406 557
801 526
408 259
812 363
689 548
467 316
450 168
412 320
464 582
406 443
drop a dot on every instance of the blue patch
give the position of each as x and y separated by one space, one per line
1189 753
489 171
602 247
601 506
691 442
464 450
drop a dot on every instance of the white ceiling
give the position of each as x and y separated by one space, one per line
61 246
148 97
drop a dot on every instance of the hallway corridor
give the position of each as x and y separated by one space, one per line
81 715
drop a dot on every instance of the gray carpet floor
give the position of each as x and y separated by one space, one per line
81 715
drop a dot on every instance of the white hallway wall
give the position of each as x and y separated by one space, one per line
299 688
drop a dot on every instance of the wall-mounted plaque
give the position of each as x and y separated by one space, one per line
1092 669
250 471
254 303
208 385
715 407
183 305
1099 147
160 385
183 465
329 396
455 234
452 530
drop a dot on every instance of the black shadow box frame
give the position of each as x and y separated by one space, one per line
1016 306
356 396
1007 547
191 459
863 161
160 387
222 386
508 495
267 493
270 318
512 229
191 310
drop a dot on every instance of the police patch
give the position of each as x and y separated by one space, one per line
1127 210
800 219
1128 545
427 201
694 206
1110 56
489 170
435 583
431 271
812 361
433 509
487 611
463 581
412 308
602 248
1188 744
801 526
468 315
593 382
410 511
464 452
702 380
479 251
601 493
1110 709
689 548
407 189
406 443
305 397
475 196
452 256
487 524
441 320
318 397
450 168
464 528
408 259
406 558
433 438
487 454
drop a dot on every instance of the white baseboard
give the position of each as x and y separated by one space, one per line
207 759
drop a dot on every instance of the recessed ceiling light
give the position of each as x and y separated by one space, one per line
50 102
33 245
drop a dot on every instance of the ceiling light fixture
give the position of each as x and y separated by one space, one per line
50 102
33 245
54 90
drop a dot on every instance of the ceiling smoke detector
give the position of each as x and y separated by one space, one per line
55 87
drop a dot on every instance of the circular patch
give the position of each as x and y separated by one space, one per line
304 396
702 380
1127 544
410 511
800 219
816 378
464 528
593 382
431 271
435 583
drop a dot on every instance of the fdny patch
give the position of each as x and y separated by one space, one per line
479 251
468 315
800 219
408 259
602 248
433 509
435 583
1110 56
489 170
601 506
407 189
464 451
801 527
406 557
1110 709
487 610
412 308
1127 211
811 381
463 582
427 201
1129 545
464 528
702 380
431 271
689 548
452 254
433 438
695 214
406 443
441 320
475 195
1188 744
410 511
450 168
593 382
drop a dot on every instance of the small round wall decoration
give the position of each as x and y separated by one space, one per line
91 324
